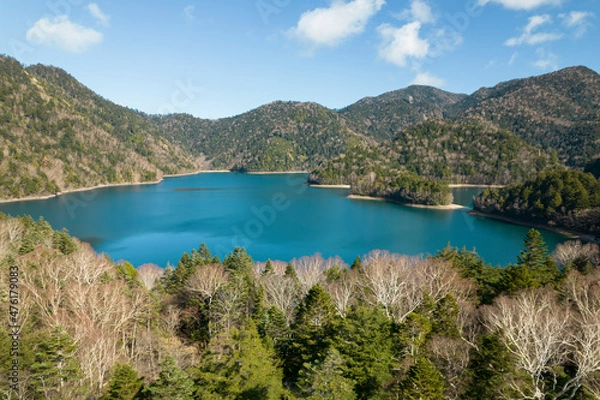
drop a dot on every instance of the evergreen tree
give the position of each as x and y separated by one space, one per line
269 268
246 370
365 340
173 383
123 383
311 330
488 369
423 381
324 380
239 260
54 370
357 264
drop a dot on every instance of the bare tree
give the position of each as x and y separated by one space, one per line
283 292
451 355
206 281
310 271
574 251
149 274
343 291
533 326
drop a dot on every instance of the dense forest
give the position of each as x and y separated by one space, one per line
560 198
56 135
387 327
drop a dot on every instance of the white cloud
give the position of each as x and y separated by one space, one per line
102 18
419 11
189 13
534 38
399 44
513 58
329 26
546 61
425 78
60 32
578 20
523 4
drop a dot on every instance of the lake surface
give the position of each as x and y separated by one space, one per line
274 216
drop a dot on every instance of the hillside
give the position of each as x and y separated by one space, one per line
382 117
559 111
57 135
466 152
561 198
280 136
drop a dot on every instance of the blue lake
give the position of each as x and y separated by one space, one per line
274 216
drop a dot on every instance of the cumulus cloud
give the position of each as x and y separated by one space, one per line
523 4
534 38
102 18
330 26
400 44
61 33
546 60
189 13
578 20
425 78
419 11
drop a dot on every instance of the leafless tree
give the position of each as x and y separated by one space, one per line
283 292
343 291
572 251
310 271
451 356
533 326
149 274
206 281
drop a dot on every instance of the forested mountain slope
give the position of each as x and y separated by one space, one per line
56 135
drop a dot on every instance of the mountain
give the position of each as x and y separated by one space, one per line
461 152
382 117
559 111
56 135
280 136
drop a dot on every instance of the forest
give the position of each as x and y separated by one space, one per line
446 326
559 198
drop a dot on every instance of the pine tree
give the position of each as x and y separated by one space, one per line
311 331
357 264
269 270
424 381
324 380
173 383
239 260
488 369
123 383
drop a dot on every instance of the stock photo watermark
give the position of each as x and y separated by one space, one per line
13 327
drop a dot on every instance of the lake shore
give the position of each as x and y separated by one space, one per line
109 185
330 186
276 172
439 207
469 185
537 225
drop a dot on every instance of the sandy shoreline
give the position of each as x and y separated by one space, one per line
108 185
276 173
469 185
537 225
330 186
444 207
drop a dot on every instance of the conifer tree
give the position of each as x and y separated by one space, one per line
172 383
324 380
123 383
424 381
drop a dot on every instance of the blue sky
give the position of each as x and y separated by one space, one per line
220 58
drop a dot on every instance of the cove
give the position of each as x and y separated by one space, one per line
274 216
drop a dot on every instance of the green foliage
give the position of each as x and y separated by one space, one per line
63 242
311 331
123 384
245 371
365 340
488 369
423 381
534 268
324 380
172 383
128 272
54 368
564 198
239 261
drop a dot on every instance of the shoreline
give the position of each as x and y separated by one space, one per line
470 185
275 172
588 237
109 185
444 207
329 186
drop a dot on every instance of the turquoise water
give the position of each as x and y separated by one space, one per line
273 216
